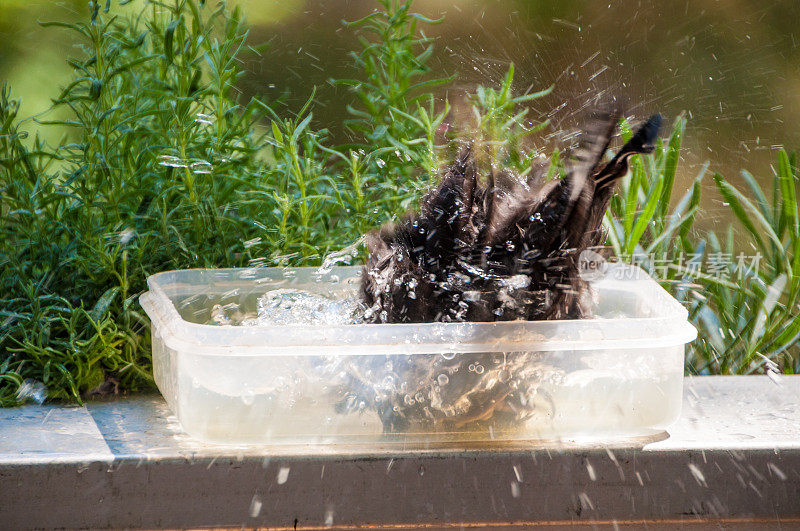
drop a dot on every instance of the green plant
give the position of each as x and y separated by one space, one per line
393 61
396 114
639 224
743 294
747 313
160 154
502 125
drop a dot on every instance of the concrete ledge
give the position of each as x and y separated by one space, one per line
733 457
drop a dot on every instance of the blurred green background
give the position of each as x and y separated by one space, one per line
731 65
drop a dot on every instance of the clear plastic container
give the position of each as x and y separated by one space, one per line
616 375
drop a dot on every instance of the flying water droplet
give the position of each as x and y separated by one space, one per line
590 471
698 474
343 256
517 282
283 475
32 390
248 397
255 506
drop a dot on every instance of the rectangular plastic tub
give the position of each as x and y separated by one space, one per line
616 375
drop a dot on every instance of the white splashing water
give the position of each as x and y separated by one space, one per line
293 306
195 166
771 368
517 282
205 119
126 235
32 390
172 162
343 256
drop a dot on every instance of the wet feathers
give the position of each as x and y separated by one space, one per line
480 252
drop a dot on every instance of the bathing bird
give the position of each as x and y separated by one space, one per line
476 251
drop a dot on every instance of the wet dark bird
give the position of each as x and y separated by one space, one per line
480 252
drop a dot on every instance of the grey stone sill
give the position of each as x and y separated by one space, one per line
734 456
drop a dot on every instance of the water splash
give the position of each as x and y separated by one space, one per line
172 162
199 166
205 119
32 390
250 243
296 307
343 256
771 369
126 235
